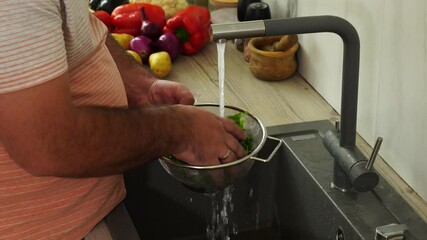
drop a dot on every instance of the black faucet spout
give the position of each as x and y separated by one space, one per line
350 68
312 24
349 169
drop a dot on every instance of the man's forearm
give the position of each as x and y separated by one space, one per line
127 66
109 141
98 142
48 136
137 79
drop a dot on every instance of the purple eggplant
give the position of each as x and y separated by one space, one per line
142 45
170 43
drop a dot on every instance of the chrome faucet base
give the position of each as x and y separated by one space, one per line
349 166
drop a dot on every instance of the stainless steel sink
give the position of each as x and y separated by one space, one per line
288 198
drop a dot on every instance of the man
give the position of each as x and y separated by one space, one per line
67 131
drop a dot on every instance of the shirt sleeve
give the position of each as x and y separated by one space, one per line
32 49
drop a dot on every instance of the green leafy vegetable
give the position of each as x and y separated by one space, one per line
240 120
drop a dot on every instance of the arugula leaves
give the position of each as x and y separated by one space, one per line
240 120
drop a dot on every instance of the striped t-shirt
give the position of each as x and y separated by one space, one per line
39 41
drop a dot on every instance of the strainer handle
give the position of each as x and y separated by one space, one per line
279 143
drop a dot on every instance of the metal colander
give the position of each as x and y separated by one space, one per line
214 178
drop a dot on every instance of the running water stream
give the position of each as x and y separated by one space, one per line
220 225
219 222
221 75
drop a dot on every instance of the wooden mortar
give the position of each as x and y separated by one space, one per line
273 58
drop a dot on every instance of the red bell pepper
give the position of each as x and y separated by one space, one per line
105 18
192 27
127 18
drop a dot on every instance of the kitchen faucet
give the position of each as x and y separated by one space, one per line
351 169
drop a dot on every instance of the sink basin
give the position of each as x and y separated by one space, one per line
288 198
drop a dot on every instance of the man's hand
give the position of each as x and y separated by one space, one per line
142 88
208 139
167 92
159 92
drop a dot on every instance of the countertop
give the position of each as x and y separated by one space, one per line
289 101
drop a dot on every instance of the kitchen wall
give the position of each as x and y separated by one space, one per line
393 74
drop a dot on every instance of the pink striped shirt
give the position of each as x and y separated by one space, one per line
39 41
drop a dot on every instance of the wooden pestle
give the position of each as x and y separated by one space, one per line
285 42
